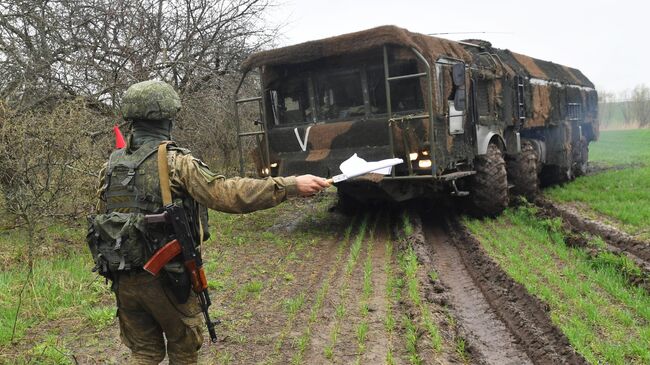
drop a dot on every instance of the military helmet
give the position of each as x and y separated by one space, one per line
150 100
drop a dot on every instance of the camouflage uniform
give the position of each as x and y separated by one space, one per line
148 312
146 307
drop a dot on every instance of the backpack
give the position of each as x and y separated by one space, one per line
118 238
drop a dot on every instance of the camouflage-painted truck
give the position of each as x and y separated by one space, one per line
467 118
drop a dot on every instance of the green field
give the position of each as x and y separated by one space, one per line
606 319
621 195
621 147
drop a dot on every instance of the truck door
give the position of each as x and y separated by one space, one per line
452 96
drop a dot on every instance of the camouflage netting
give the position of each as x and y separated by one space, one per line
430 47
150 100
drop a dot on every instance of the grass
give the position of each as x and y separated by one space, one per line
49 351
392 294
409 266
57 289
623 195
363 326
461 350
63 292
353 256
100 316
606 319
411 340
303 341
621 147
293 305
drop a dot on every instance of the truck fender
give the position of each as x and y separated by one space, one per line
540 149
483 137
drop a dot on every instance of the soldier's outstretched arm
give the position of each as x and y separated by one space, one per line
238 195
309 184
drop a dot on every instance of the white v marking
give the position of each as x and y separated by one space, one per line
303 144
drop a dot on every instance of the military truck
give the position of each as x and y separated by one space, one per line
468 119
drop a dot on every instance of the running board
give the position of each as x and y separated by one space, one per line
455 175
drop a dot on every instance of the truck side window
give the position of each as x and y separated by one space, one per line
483 98
406 95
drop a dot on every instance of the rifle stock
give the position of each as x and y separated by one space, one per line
184 245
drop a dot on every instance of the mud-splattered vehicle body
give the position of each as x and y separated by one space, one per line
458 113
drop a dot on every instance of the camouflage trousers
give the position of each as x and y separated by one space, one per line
149 313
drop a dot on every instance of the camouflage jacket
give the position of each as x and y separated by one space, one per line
190 176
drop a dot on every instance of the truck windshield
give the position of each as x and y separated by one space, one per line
338 94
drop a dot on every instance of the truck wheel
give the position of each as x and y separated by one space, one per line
346 204
523 172
490 183
580 157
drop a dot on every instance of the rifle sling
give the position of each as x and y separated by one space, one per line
163 173
163 176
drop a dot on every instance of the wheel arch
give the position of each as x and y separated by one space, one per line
485 136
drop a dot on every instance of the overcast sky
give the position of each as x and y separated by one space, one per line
607 40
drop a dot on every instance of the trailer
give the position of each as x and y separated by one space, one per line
468 119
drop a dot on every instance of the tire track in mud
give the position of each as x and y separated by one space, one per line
488 335
437 337
530 335
617 241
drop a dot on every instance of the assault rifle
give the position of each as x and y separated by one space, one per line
183 244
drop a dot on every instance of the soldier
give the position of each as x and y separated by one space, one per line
154 308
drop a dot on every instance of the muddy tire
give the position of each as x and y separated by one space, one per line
346 204
580 157
523 172
554 175
490 184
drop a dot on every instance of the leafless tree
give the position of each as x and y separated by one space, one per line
606 102
56 51
640 105
96 48
626 107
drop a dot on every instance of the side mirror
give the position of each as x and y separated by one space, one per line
459 99
458 72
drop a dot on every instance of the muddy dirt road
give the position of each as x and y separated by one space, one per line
385 287
306 285
349 301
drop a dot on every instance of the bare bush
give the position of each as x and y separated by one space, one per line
44 164
207 124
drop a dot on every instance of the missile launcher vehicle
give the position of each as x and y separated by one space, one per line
468 119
